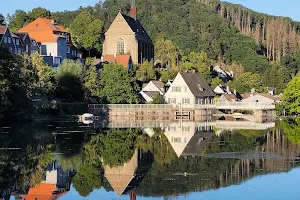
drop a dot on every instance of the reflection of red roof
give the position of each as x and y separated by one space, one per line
43 30
119 59
42 192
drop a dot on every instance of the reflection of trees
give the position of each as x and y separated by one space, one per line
88 178
115 146
291 129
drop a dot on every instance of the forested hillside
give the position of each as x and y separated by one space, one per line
241 40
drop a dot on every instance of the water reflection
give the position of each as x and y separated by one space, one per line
163 160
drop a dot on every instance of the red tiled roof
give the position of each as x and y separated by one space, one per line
42 191
3 29
43 30
119 59
14 35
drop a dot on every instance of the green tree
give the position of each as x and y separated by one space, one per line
87 31
2 19
70 77
38 12
92 82
291 96
215 82
72 67
277 77
117 85
17 20
158 99
88 178
115 146
145 72
14 85
246 82
45 74
291 128
166 52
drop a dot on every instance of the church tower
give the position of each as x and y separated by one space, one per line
127 36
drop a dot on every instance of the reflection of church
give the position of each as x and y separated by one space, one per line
125 178
56 183
126 35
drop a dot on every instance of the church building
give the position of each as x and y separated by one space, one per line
126 36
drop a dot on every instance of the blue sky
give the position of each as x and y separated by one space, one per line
289 8
274 7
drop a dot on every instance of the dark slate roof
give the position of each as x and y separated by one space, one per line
21 35
198 143
194 80
152 94
136 26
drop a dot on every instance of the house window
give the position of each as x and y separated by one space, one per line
186 100
172 100
8 40
5 39
17 41
185 128
120 46
57 61
68 49
177 140
68 38
176 89
27 48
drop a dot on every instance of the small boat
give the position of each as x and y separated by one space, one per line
87 118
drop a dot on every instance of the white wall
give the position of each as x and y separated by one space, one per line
258 99
178 96
152 87
51 49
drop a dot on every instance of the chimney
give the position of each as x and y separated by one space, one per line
133 9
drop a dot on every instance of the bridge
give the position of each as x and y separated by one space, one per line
219 106
167 112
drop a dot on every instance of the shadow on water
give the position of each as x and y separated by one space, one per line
169 160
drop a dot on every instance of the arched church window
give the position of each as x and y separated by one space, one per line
120 46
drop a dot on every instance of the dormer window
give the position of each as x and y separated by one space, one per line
120 46
200 88
68 38
36 25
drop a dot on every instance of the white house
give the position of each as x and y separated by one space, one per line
188 90
260 98
153 89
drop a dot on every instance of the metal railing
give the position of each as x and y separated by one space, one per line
219 105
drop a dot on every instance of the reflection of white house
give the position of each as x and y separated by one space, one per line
153 89
188 90
188 138
179 135
149 131
260 98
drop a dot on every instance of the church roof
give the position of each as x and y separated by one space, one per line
136 26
